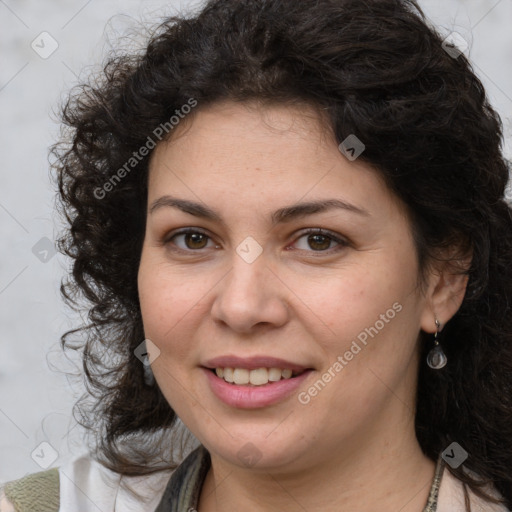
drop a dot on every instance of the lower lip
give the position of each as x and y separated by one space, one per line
253 397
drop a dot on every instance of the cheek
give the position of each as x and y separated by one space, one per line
166 305
166 302
356 296
368 349
372 314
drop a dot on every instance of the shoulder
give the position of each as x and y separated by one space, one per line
38 489
451 497
84 484
5 505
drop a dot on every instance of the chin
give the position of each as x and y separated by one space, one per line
256 452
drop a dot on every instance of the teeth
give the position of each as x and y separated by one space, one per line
228 374
258 377
240 376
286 374
274 374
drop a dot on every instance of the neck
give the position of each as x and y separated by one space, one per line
389 475
380 466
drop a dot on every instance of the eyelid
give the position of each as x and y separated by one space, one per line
341 241
183 231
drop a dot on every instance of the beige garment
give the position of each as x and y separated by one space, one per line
451 497
447 491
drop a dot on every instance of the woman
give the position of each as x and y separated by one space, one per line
288 221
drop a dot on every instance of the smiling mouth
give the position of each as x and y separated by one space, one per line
256 377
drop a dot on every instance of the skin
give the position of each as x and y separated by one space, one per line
5 506
353 446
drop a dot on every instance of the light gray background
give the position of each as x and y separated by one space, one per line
36 401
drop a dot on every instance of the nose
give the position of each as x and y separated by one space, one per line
251 296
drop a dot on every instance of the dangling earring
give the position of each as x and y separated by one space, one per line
436 358
149 378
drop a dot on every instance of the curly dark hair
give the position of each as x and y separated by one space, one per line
376 68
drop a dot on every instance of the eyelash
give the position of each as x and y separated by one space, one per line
310 231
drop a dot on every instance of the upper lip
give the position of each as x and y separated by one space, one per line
252 363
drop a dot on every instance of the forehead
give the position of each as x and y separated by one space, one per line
250 128
284 152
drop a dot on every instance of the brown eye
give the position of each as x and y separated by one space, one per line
319 240
189 240
195 240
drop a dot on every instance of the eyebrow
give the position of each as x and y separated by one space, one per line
286 214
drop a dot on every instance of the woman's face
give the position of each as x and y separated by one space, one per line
249 288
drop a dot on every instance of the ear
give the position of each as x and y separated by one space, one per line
447 284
